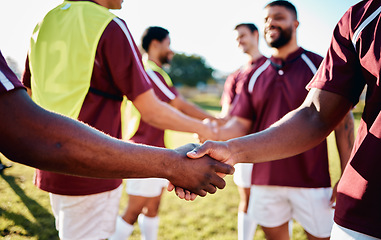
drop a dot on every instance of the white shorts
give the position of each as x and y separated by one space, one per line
342 233
146 187
242 174
88 217
272 206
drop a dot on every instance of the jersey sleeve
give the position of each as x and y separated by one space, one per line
123 60
8 79
229 92
162 90
340 71
242 105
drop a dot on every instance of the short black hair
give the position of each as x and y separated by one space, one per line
285 4
250 26
153 33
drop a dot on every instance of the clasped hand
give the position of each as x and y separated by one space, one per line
213 129
218 154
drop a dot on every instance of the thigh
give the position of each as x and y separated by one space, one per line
146 187
269 205
312 210
86 217
341 233
242 174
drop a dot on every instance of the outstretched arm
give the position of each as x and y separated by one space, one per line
48 141
233 128
295 133
189 108
161 115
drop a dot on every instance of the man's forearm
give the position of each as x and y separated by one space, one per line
161 115
235 127
282 140
173 119
40 136
296 132
48 141
190 109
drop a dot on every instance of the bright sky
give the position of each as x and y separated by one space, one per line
202 27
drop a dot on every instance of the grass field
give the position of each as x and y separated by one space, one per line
25 210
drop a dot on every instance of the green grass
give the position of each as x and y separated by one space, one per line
25 210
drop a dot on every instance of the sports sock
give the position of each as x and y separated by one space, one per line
246 226
123 230
290 226
149 227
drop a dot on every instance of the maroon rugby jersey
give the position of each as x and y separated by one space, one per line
233 83
352 61
146 133
117 71
8 80
274 89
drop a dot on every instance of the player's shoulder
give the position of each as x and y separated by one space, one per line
314 57
116 26
116 35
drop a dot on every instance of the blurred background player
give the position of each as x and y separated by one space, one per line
298 187
247 38
352 62
145 194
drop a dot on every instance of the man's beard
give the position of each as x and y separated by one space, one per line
283 39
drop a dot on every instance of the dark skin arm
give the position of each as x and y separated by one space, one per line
35 137
296 132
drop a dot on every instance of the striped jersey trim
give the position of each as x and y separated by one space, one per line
5 82
256 74
309 63
264 66
129 38
160 84
356 35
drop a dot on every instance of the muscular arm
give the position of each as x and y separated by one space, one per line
48 141
163 116
295 133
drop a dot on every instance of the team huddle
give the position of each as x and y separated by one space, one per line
279 108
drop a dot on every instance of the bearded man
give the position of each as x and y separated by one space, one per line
297 187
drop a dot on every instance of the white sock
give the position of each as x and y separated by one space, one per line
149 226
246 226
123 230
290 226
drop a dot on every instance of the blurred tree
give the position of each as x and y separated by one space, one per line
189 70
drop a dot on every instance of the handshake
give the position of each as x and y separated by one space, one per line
210 162
212 129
